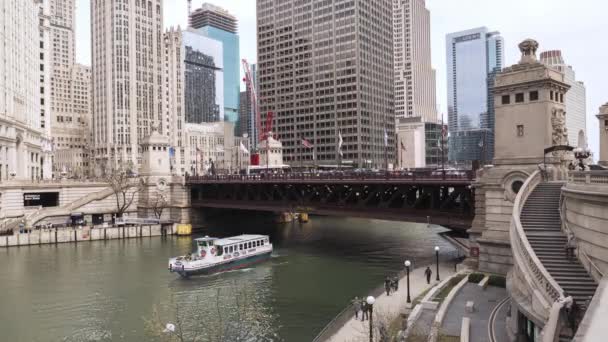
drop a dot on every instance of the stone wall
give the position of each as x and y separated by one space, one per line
586 211
40 237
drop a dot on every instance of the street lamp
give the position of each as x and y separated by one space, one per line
437 257
407 272
370 301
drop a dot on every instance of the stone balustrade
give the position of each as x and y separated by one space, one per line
531 284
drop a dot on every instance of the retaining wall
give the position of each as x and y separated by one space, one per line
52 236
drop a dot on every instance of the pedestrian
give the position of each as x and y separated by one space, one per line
357 306
428 274
364 310
387 285
570 245
395 283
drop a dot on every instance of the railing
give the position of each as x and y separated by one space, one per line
340 176
522 250
588 177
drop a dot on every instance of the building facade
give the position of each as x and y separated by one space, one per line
415 83
324 68
576 105
213 148
473 58
24 142
127 72
216 23
247 117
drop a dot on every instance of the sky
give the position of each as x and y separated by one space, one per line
578 28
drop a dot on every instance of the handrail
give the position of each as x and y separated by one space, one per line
522 250
588 177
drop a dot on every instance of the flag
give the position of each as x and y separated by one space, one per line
306 143
340 142
244 149
444 131
403 146
439 144
385 138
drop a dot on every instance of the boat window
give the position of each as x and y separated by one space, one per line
258 243
231 249
249 244
220 251
202 244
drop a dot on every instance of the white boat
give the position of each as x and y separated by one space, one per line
214 255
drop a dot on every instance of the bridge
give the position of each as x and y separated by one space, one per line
436 197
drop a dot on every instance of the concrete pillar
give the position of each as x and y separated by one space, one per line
603 134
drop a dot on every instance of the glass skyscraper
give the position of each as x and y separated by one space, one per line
216 23
473 58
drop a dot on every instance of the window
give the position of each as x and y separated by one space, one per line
506 99
519 98
520 130
561 97
534 95
551 95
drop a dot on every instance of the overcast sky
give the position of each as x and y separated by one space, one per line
578 28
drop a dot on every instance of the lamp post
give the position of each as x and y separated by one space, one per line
437 258
407 273
370 301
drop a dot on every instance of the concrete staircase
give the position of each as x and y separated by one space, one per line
541 221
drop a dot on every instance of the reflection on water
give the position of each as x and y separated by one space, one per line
103 291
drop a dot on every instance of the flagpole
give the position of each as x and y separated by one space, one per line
442 146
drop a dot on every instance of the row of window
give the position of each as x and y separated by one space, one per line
242 246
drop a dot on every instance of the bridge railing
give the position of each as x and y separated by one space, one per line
341 175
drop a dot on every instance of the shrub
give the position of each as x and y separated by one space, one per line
476 277
498 281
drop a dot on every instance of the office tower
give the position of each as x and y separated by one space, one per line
216 23
414 74
473 58
415 97
324 68
194 86
128 70
46 91
576 107
24 147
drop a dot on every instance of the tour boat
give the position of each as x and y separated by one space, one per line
219 255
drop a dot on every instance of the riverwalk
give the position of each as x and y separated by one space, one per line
389 307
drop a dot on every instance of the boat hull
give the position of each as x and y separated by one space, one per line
224 267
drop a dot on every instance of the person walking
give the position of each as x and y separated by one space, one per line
364 310
357 306
395 283
387 285
428 273
570 245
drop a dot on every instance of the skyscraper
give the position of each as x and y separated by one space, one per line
128 70
194 87
216 23
473 58
415 84
576 106
24 152
414 75
327 67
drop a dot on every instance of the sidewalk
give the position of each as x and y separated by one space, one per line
390 306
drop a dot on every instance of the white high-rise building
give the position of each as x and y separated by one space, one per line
24 145
415 83
576 106
128 72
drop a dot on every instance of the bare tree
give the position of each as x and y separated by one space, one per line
237 317
159 205
125 189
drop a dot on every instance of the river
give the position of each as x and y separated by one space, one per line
107 290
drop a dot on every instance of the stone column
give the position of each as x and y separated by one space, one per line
603 135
